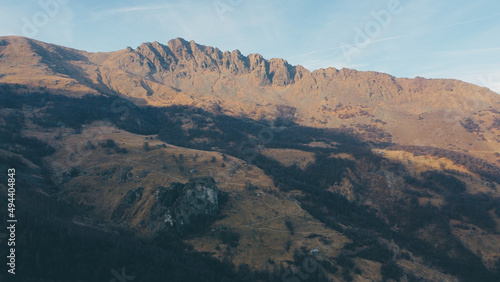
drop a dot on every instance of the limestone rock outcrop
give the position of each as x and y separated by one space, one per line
181 208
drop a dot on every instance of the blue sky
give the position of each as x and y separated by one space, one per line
434 39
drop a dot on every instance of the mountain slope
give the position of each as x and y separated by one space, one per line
423 112
330 175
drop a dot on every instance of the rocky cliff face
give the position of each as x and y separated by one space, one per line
180 208
188 58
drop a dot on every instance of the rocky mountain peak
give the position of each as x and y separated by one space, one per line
192 57
280 72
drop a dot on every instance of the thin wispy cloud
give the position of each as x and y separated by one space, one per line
447 53
135 9
348 45
338 47
456 53
467 21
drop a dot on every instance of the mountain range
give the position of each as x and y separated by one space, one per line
250 167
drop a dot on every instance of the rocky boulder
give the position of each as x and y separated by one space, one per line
181 208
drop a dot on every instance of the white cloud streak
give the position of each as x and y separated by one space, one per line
134 9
